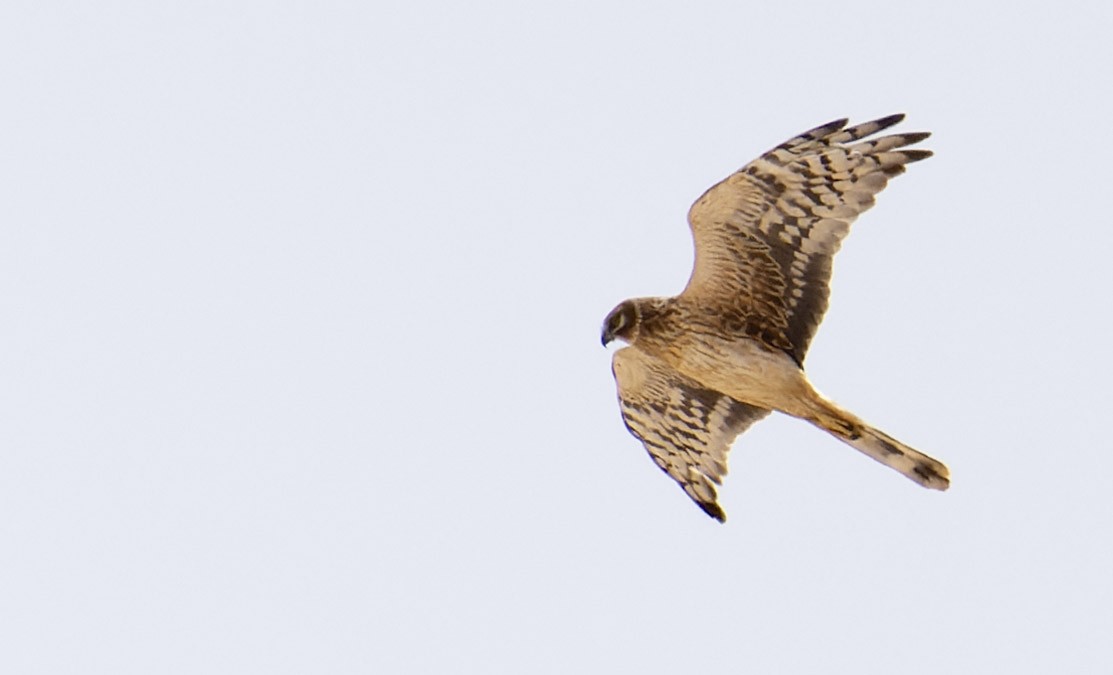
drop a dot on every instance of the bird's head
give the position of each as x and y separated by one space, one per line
622 323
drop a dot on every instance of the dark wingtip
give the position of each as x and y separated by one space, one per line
714 510
889 120
829 128
915 137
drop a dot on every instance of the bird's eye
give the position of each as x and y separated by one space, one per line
618 321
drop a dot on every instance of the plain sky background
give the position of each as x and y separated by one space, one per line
299 340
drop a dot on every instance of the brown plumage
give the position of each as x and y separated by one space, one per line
703 366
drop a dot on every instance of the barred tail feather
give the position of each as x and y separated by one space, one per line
925 470
915 465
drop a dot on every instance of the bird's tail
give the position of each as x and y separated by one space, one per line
925 470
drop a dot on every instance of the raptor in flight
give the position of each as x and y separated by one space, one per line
703 366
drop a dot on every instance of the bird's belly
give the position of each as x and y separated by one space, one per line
745 371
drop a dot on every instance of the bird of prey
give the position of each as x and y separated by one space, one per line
703 366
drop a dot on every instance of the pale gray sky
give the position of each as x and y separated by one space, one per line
299 349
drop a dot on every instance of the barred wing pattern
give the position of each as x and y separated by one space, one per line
686 428
765 237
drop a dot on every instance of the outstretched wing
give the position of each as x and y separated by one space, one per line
765 237
686 428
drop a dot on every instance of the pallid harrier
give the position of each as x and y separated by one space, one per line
703 366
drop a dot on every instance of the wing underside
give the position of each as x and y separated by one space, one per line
765 237
687 429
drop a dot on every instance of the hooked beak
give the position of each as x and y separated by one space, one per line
607 337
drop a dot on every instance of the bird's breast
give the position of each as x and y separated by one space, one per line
743 369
